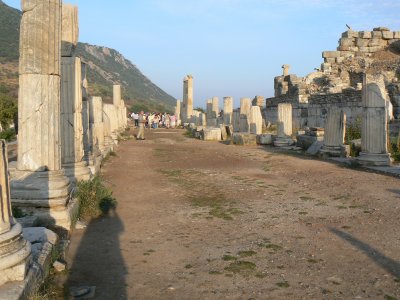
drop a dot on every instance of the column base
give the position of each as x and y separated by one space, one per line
77 172
15 255
334 151
368 159
283 142
46 195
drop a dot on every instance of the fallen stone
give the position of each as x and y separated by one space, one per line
224 133
59 266
305 141
39 235
83 292
315 147
335 280
80 225
29 221
264 139
244 139
212 134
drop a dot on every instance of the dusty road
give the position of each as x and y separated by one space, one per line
204 220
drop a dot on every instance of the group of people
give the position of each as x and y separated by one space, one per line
152 120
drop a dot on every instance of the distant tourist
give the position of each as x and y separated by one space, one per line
142 123
135 118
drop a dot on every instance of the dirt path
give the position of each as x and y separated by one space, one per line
200 220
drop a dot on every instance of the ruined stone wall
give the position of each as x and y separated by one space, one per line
313 113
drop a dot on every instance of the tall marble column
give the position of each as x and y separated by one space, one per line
215 107
256 120
87 146
228 109
111 123
285 125
39 185
120 107
187 98
335 130
97 123
14 250
72 151
374 127
236 120
245 109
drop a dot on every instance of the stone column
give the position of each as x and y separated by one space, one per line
228 109
374 132
187 98
236 120
39 185
335 130
14 250
285 125
87 146
107 130
72 150
110 115
211 117
178 112
97 124
245 108
215 107
120 106
256 121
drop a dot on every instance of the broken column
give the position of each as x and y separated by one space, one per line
256 121
211 116
236 120
14 250
228 110
335 130
187 98
284 125
72 150
374 133
245 109
87 146
39 185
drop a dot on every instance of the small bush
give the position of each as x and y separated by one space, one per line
353 131
18 213
394 148
94 198
8 135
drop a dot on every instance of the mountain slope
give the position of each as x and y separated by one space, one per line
105 67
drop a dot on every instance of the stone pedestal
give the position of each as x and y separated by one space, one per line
14 250
256 121
335 129
228 110
245 109
72 151
39 184
285 129
374 123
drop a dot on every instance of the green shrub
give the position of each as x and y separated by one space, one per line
8 110
353 131
94 198
394 147
8 135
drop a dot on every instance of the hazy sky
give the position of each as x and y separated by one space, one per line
231 47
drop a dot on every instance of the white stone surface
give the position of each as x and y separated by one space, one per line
70 29
285 129
256 121
228 110
187 104
212 134
245 110
374 123
335 130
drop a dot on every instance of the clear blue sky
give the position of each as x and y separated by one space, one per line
231 47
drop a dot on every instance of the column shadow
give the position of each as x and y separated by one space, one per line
390 265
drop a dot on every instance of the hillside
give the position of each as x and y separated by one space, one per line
106 67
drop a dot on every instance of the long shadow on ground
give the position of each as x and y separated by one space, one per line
98 258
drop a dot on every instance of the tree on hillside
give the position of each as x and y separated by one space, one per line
8 111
